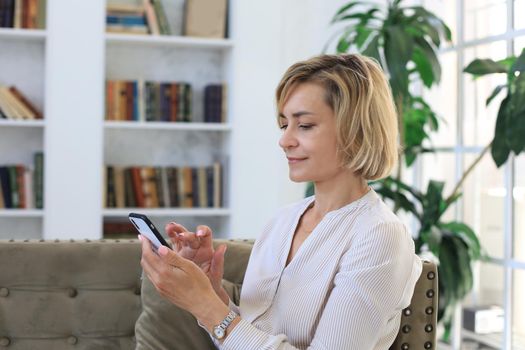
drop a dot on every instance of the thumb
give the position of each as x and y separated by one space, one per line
217 263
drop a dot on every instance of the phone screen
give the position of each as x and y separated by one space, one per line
147 229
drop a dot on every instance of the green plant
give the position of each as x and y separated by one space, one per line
404 40
509 134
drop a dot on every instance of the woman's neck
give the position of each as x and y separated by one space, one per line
339 191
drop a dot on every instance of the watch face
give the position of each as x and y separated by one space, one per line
218 332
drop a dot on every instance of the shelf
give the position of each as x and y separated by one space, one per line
22 123
25 34
166 41
21 213
163 212
167 126
493 340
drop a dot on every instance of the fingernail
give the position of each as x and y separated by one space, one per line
200 233
140 237
163 250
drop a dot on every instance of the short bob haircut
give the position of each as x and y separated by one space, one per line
360 97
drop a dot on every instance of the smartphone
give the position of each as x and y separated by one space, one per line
147 229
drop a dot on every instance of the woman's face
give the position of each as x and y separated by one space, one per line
309 135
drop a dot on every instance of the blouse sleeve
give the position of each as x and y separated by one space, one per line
375 282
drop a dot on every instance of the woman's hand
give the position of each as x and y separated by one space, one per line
182 282
198 248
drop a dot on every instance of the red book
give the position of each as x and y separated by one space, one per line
137 187
20 169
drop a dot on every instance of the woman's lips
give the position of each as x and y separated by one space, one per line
294 160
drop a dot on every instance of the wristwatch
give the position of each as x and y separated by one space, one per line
219 331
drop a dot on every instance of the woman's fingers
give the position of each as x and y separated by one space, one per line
217 265
172 229
205 236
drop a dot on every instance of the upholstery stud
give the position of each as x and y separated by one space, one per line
428 345
429 328
5 341
430 293
72 292
4 292
72 340
405 346
407 312
429 310
406 328
431 275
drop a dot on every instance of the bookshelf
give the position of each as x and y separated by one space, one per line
63 70
22 59
174 58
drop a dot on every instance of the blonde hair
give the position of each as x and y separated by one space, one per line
360 97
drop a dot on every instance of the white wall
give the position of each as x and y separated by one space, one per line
281 33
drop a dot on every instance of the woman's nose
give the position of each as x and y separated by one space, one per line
288 139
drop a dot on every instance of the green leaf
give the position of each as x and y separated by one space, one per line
480 67
398 50
495 93
345 8
342 45
500 150
423 67
362 35
430 54
468 236
516 117
519 64
372 49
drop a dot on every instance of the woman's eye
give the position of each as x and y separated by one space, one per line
305 126
283 127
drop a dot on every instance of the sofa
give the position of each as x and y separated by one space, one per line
91 295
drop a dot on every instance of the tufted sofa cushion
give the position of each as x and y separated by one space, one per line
418 321
69 294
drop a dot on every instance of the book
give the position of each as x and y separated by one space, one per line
110 188
13 183
120 187
151 18
130 192
204 18
164 26
160 191
149 187
194 188
29 189
217 185
38 180
203 191
6 187
2 203
29 108
21 185
187 189
137 187
165 188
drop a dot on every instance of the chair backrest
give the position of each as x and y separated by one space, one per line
418 321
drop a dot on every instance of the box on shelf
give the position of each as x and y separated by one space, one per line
483 319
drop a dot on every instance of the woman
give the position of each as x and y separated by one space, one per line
334 270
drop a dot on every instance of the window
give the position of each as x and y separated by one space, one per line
494 199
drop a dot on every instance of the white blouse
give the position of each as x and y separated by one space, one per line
345 287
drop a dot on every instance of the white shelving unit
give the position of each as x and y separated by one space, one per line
22 58
63 70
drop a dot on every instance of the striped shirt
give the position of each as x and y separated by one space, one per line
345 287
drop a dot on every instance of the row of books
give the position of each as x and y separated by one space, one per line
148 101
14 105
163 187
27 14
197 18
22 187
148 18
